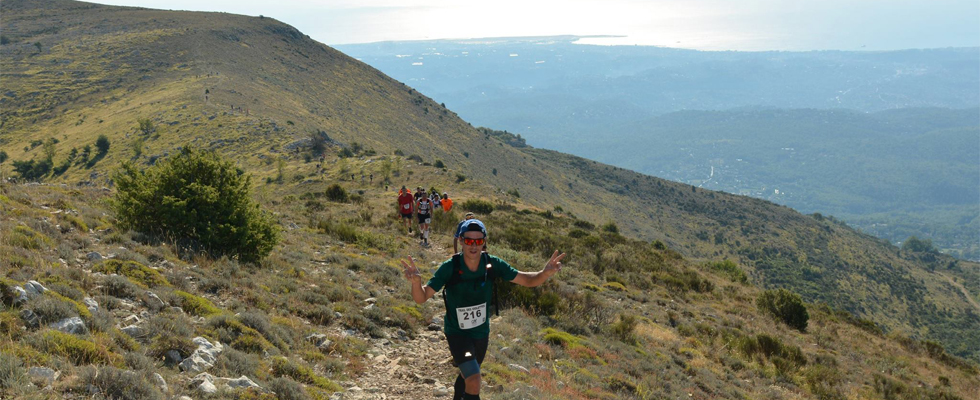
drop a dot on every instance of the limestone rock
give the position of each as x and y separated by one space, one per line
34 289
153 302
32 320
242 382
161 383
91 304
19 294
73 325
132 330
204 357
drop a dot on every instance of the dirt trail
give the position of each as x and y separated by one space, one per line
963 290
416 368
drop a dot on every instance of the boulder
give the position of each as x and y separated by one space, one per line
94 256
34 289
203 357
73 325
31 320
91 304
161 383
18 294
242 382
153 302
172 357
133 330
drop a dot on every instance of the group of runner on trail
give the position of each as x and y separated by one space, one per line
421 205
467 282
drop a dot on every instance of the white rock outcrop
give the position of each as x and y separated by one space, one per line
204 357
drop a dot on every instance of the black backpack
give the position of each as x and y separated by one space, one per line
457 278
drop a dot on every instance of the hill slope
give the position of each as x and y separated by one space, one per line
794 119
255 89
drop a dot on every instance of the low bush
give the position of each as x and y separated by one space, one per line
282 366
337 194
478 206
785 306
625 328
232 362
12 372
114 383
27 238
121 287
287 389
139 273
564 339
196 305
77 350
730 269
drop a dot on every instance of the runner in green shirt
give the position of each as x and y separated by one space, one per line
467 323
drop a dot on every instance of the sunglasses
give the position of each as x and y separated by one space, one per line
474 242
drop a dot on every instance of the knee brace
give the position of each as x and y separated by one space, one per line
469 368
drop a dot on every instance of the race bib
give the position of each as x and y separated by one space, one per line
407 206
471 317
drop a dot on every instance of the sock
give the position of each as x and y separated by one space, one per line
460 388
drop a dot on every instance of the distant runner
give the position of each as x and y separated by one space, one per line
425 217
467 281
405 207
447 203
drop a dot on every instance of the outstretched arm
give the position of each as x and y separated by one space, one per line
420 292
533 279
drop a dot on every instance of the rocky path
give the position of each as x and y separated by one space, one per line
414 368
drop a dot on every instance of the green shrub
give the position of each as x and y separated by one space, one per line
139 273
287 389
785 306
120 286
478 206
12 372
199 197
625 328
336 193
730 269
564 339
282 366
11 325
29 239
79 351
114 383
51 309
196 305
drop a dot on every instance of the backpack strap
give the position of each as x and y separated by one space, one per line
456 277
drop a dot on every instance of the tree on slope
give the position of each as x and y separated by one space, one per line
199 198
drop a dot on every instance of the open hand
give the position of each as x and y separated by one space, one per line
412 272
554 264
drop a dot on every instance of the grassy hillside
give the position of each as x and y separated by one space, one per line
255 90
625 319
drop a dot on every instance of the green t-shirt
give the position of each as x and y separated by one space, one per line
469 300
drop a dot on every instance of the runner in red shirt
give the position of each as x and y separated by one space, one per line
406 207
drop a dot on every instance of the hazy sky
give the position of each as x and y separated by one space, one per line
701 24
